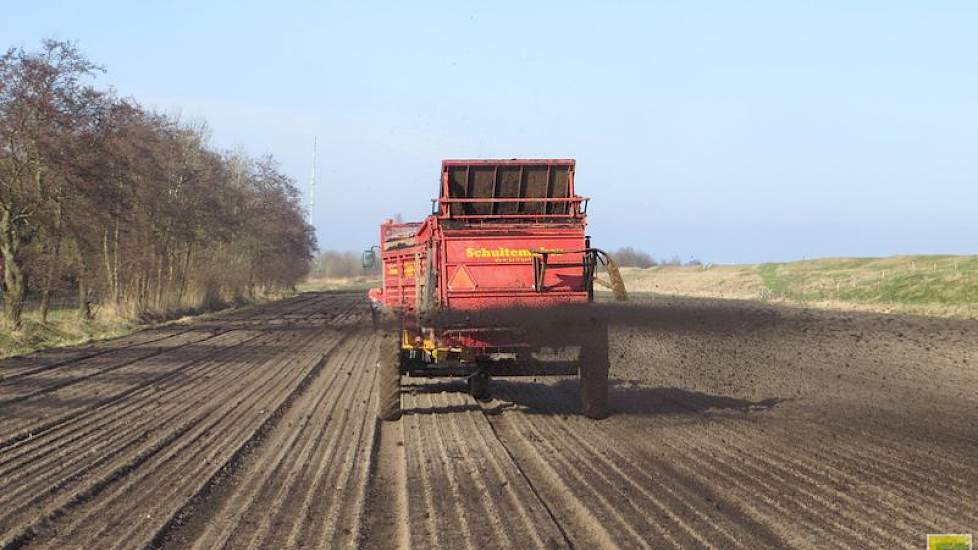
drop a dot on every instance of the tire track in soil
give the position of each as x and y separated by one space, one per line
631 514
385 514
463 490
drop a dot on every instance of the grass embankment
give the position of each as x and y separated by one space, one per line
929 285
945 286
64 328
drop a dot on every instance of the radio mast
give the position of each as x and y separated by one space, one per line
312 178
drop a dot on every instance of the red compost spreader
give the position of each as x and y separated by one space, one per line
495 282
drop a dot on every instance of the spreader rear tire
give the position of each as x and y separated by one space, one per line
389 378
479 386
594 366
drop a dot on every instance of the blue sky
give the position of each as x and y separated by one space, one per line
728 131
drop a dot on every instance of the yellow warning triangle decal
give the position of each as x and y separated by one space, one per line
461 279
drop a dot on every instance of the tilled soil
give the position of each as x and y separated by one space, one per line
734 424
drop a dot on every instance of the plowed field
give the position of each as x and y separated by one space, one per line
735 425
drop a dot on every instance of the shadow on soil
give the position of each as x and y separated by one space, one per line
448 385
562 398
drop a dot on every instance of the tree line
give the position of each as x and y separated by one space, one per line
341 264
630 257
126 207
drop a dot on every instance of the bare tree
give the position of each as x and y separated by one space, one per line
42 96
110 200
629 257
